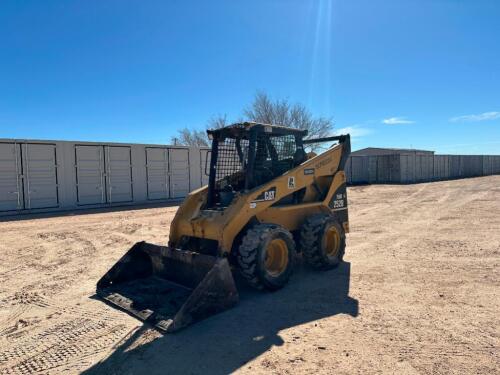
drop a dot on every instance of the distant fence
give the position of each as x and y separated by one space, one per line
407 169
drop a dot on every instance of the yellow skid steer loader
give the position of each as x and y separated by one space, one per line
266 200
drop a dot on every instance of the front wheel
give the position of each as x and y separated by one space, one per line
265 256
322 241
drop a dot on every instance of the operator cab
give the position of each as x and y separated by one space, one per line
246 155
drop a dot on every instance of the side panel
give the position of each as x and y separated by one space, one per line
383 169
40 176
139 173
437 170
477 162
179 172
424 168
348 170
360 170
487 165
496 164
11 192
205 161
292 216
119 174
429 167
388 169
441 167
157 172
454 166
372 169
89 175
405 175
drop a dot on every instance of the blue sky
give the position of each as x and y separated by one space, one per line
395 73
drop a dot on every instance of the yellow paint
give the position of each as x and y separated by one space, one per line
276 260
224 226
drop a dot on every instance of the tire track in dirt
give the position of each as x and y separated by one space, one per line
76 334
60 345
19 304
423 270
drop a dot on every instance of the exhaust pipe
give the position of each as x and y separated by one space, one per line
169 288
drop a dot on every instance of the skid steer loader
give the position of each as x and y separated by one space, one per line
266 200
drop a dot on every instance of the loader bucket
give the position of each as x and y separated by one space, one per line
169 288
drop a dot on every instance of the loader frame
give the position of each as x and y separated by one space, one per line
320 180
259 198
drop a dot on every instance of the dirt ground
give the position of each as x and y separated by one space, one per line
418 293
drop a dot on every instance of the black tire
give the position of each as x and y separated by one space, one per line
254 248
314 243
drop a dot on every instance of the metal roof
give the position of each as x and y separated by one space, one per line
390 150
242 128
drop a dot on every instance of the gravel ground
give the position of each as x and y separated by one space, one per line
418 293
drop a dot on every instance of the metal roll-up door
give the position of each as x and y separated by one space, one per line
383 169
496 164
118 174
179 172
438 172
204 166
487 165
356 170
11 191
405 175
360 169
90 175
419 168
157 173
40 176
372 168
454 166
348 170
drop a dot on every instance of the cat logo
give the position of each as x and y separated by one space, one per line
268 195
291 182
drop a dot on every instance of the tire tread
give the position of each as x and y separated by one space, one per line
310 242
248 253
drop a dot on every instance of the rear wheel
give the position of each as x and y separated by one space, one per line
265 256
322 241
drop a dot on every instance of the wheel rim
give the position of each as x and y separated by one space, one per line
276 257
332 242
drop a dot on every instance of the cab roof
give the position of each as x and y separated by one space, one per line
243 129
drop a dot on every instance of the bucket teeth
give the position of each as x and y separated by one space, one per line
169 288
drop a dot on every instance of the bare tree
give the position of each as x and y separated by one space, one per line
199 138
265 110
282 112
217 122
190 137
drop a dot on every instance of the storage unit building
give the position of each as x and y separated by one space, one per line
406 166
40 176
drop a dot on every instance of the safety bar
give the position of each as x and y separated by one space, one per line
339 138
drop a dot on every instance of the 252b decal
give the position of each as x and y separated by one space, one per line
339 201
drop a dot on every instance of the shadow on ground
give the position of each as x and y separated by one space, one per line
88 211
225 342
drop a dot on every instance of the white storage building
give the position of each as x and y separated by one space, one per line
39 176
